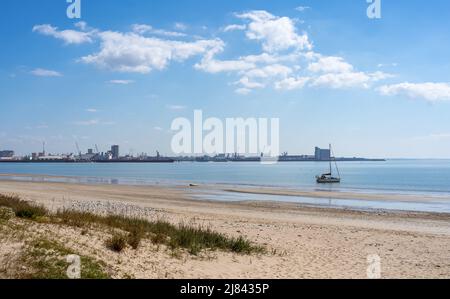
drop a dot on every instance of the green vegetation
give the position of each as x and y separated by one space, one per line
134 238
192 238
45 259
23 209
117 243
6 213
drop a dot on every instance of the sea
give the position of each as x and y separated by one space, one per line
413 177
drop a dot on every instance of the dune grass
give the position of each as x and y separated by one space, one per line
117 243
190 237
183 236
21 208
45 259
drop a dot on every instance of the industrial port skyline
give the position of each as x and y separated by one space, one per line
113 155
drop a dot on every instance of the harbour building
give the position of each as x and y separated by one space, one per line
322 154
115 152
6 154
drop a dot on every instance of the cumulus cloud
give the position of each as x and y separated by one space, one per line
292 83
275 33
330 64
213 66
286 60
45 73
131 52
335 72
68 36
246 83
343 80
432 92
269 71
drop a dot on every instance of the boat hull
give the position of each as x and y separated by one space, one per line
328 181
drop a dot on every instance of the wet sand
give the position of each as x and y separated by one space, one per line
303 242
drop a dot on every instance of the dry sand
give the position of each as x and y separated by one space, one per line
303 242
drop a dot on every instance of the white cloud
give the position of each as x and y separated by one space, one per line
68 36
213 66
275 33
302 8
121 82
260 77
269 71
180 26
246 83
81 25
158 129
336 73
130 52
378 76
432 92
292 83
286 60
45 73
176 107
281 45
394 64
330 64
91 110
343 80
234 27
143 29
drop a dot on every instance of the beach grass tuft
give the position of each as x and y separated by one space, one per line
117 242
23 209
134 238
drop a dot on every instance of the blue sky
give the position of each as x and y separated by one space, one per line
125 70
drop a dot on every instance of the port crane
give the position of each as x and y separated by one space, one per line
78 149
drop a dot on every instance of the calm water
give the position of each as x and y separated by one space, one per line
429 177
404 176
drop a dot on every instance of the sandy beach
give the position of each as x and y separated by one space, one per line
302 241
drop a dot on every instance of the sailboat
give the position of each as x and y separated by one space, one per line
328 178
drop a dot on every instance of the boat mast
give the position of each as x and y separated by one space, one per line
331 170
335 162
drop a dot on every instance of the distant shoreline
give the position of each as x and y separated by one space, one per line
185 161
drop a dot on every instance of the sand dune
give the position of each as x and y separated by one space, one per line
303 242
